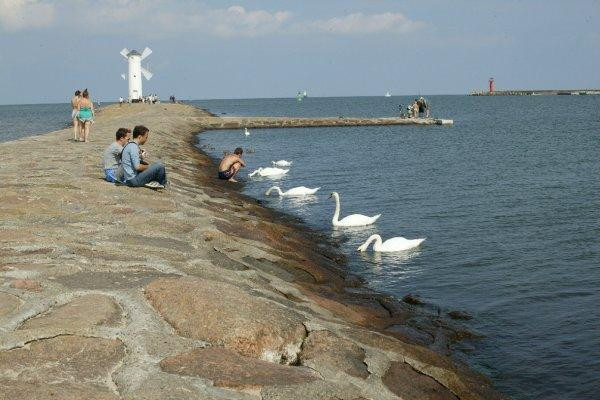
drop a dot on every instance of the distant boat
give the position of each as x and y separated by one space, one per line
387 94
301 95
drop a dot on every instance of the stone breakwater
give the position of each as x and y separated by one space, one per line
294 122
197 292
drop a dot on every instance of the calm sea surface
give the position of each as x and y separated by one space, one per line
32 119
508 199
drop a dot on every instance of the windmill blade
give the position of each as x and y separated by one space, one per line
147 74
123 76
146 52
124 52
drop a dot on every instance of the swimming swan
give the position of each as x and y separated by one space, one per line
392 244
297 191
246 132
282 163
269 171
350 220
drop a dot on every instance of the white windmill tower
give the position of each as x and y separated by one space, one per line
135 72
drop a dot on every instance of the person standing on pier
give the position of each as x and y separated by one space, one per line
85 115
423 107
74 109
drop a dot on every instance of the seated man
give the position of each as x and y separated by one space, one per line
231 164
112 155
136 173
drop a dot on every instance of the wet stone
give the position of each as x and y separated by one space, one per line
412 299
461 315
269 267
402 380
410 334
369 314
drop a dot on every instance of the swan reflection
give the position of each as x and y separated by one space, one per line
357 233
397 258
391 266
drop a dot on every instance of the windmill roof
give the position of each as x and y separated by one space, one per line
133 53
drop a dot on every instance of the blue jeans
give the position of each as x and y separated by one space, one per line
155 172
110 175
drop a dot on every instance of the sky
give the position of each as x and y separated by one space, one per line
254 49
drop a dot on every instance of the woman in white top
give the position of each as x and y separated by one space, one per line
74 110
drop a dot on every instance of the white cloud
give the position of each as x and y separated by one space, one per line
26 14
234 21
156 18
360 23
159 18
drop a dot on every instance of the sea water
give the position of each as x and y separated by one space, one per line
22 120
508 199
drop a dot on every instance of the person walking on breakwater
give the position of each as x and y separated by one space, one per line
231 164
423 107
85 115
415 109
74 109
112 156
137 173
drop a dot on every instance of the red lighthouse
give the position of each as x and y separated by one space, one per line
491 81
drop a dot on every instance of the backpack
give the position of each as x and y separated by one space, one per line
120 172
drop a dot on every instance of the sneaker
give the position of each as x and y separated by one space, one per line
154 185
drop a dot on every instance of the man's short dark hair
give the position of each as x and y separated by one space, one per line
122 132
139 130
77 92
238 151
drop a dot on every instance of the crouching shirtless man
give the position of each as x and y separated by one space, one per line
231 164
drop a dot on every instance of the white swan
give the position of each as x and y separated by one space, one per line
392 244
246 132
282 163
350 220
297 191
269 171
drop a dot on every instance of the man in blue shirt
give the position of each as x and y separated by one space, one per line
136 173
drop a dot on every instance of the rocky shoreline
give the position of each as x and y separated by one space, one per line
197 292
